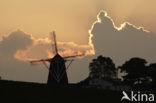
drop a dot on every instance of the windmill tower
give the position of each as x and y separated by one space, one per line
57 68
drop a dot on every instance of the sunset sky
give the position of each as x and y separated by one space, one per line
114 24
70 18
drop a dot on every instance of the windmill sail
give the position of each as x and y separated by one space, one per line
53 43
36 62
73 56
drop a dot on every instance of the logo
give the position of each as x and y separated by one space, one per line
125 96
137 96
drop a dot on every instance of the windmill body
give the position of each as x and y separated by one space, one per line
57 71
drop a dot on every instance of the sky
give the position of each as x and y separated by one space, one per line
71 19
118 29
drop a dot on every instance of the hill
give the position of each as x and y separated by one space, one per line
35 92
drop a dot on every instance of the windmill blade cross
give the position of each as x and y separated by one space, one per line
38 61
54 42
73 56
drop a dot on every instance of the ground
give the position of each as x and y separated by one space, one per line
34 92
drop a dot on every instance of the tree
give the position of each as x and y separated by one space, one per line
152 72
102 67
136 70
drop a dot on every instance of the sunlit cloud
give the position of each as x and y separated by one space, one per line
103 13
42 48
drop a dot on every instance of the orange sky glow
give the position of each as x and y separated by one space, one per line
71 19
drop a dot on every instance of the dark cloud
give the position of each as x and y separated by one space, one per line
119 43
13 69
122 43
15 41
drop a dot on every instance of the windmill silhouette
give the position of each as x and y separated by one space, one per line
57 68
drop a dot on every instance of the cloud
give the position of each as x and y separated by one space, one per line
13 69
124 42
16 40
42 48
17 49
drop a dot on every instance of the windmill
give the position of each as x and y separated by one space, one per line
57 68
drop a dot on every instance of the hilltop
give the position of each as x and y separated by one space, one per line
36 92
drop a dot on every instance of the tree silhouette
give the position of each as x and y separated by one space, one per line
152 72
102 67
136 71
